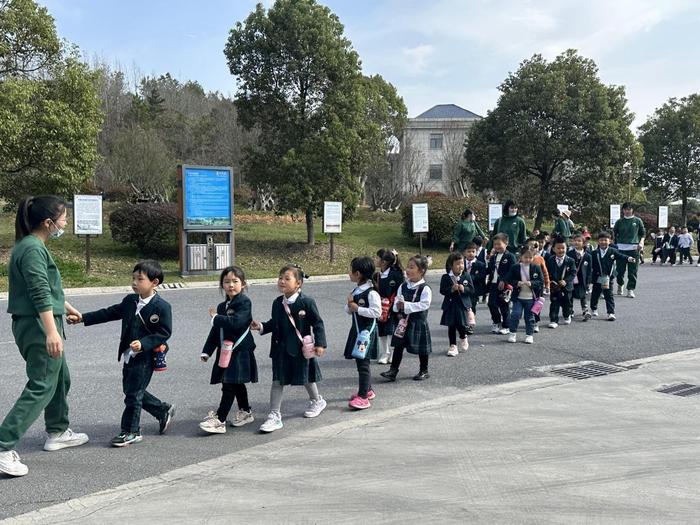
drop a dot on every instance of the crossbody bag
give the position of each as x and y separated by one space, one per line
307 341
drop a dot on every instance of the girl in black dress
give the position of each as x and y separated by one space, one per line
387 282
456 285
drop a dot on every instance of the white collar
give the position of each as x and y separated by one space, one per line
451 274
359 289
469 262
412 286
146 300
292 298
385 273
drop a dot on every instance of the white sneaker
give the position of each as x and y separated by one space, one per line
243 417
464 344
620 289
212 425
316 406
273 422
630 294
567 320
553 325
452 352
611 317
529 340
495 328
513 338
11 465
536 329
594 313
504 331
384 360
65 439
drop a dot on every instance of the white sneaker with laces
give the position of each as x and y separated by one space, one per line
316 406
567 320
495 328
65 439
11 465
536 329
611 317
620 289
504 331
384 360
273 422
464 344
553 325
630 294
212 425
452 352
529 340
594 313
243 417
513 338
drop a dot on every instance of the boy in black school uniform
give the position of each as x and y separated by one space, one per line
500 263
146 327
478 272
481 254
657 250
582 281
603 264
562 271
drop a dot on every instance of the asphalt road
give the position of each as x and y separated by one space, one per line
663 319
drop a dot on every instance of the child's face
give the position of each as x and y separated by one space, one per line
354 276
526 258
578 243
288 284
469 254
232 285
413 273
142 285
685 230
672 231
458 266
499 246
604 242
560 249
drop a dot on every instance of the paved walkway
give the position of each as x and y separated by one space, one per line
546 450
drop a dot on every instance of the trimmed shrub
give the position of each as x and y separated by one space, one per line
443 214
149 227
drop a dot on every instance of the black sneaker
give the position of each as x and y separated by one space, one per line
390 374
126 438
165 422
420 376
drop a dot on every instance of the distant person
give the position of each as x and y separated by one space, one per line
685 242
500 263
387 282
37 305
604 259
457 289
465 231
230 327
147 321
670 244
561 226
539 260
629 234
525 278
512 225
582 281
657 250
562 271
477 270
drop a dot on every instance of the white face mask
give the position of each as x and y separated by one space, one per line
57 232
512 213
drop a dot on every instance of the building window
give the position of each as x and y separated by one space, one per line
436 141
435 172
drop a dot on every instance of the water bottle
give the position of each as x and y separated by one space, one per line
225 354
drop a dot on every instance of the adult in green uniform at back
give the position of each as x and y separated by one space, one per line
561 226
512 225
465 232
37 305
629 239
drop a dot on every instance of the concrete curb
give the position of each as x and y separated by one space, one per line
196 285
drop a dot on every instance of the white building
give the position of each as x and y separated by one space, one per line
432 150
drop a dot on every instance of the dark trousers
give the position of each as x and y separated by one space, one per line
136 375
398 357
365 377
668 254
583 299
685 254
657 255
499 309
229 393
452 333
607 294
558 301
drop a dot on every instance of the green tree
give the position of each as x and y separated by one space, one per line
49 107
298 85
557 135
671 140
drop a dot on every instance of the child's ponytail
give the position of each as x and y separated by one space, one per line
390 257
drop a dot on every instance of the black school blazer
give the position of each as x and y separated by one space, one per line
507 262
234 319
311 320
451 297
536 279
556 272
155 329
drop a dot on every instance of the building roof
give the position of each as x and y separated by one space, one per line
448 111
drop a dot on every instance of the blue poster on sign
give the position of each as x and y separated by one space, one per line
207 197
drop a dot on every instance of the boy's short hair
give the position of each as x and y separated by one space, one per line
542 236
604 235
577 236
478 241
470 246
503 237
627 206
558 240
151 269
453 258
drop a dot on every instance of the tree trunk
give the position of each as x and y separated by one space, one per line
684 211
309 226
541 205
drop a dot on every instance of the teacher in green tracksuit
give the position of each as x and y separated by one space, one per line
465 232
629 239
37 305
512 225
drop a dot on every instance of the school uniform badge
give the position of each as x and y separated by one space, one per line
361 302
230 311
154 318
392 283
302 314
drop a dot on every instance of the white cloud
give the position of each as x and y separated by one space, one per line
415 59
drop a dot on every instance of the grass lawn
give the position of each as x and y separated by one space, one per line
262 248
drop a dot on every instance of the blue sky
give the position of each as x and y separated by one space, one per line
434 52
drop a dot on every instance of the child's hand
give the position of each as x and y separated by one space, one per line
528 283
562 283
204 358
136 346
319 350
350 299
74 319
353 307
521 284
256 326
460 288
212 311
399 306
631 259
455 287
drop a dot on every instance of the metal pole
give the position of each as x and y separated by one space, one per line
420 240
87 254
332 247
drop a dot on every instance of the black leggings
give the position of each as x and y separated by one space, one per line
229 392
452 333
398 357
365 378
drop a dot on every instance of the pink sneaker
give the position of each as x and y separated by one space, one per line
370 395
359 403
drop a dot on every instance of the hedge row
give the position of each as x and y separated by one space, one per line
150 227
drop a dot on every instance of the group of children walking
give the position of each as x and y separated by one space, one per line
673 247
